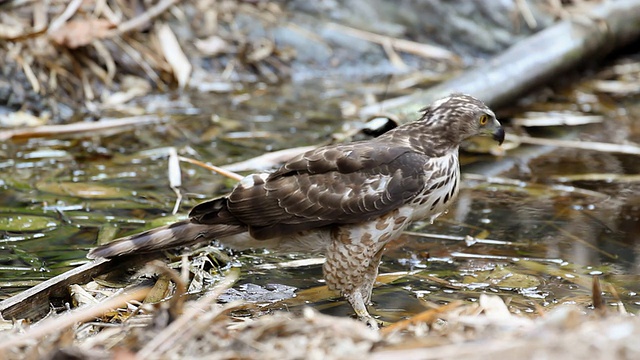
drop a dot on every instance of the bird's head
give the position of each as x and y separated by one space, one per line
463 116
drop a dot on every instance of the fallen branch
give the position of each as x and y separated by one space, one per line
268 160
541 119
58 323
473 240
577 144
34 302
534 61
80 127
407 46
523 184
605 177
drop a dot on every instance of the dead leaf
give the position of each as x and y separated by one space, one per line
83 190
174 55
22 119
260 50
9 32
132 87
211 46
77 33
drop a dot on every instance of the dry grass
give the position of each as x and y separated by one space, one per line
88 54
158 324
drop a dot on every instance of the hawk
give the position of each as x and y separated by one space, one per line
345 201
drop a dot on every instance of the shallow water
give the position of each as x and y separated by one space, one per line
533 238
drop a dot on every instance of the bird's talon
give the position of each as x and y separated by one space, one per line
371 323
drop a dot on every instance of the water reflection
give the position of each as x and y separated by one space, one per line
528 240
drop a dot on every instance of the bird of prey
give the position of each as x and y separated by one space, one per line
346 201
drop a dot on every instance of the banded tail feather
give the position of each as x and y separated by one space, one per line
179 234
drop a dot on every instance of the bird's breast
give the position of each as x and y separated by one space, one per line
442 181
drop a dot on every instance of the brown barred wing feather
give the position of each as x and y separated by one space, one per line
338 185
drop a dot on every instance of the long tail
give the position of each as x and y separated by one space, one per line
179 234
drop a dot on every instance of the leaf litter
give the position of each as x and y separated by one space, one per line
134 322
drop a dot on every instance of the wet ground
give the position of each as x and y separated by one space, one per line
535 233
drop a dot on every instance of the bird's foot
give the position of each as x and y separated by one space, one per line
357 302
370 321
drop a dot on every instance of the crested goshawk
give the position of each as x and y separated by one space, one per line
345 201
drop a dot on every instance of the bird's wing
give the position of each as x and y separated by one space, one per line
331 185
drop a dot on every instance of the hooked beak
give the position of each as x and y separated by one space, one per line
498 135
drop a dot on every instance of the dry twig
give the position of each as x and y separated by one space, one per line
411 47
58 323
121 124
221 171
162 340
427 316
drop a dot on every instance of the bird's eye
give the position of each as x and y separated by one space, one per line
484 119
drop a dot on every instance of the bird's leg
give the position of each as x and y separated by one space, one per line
369 276
361 295
358 304
352 266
